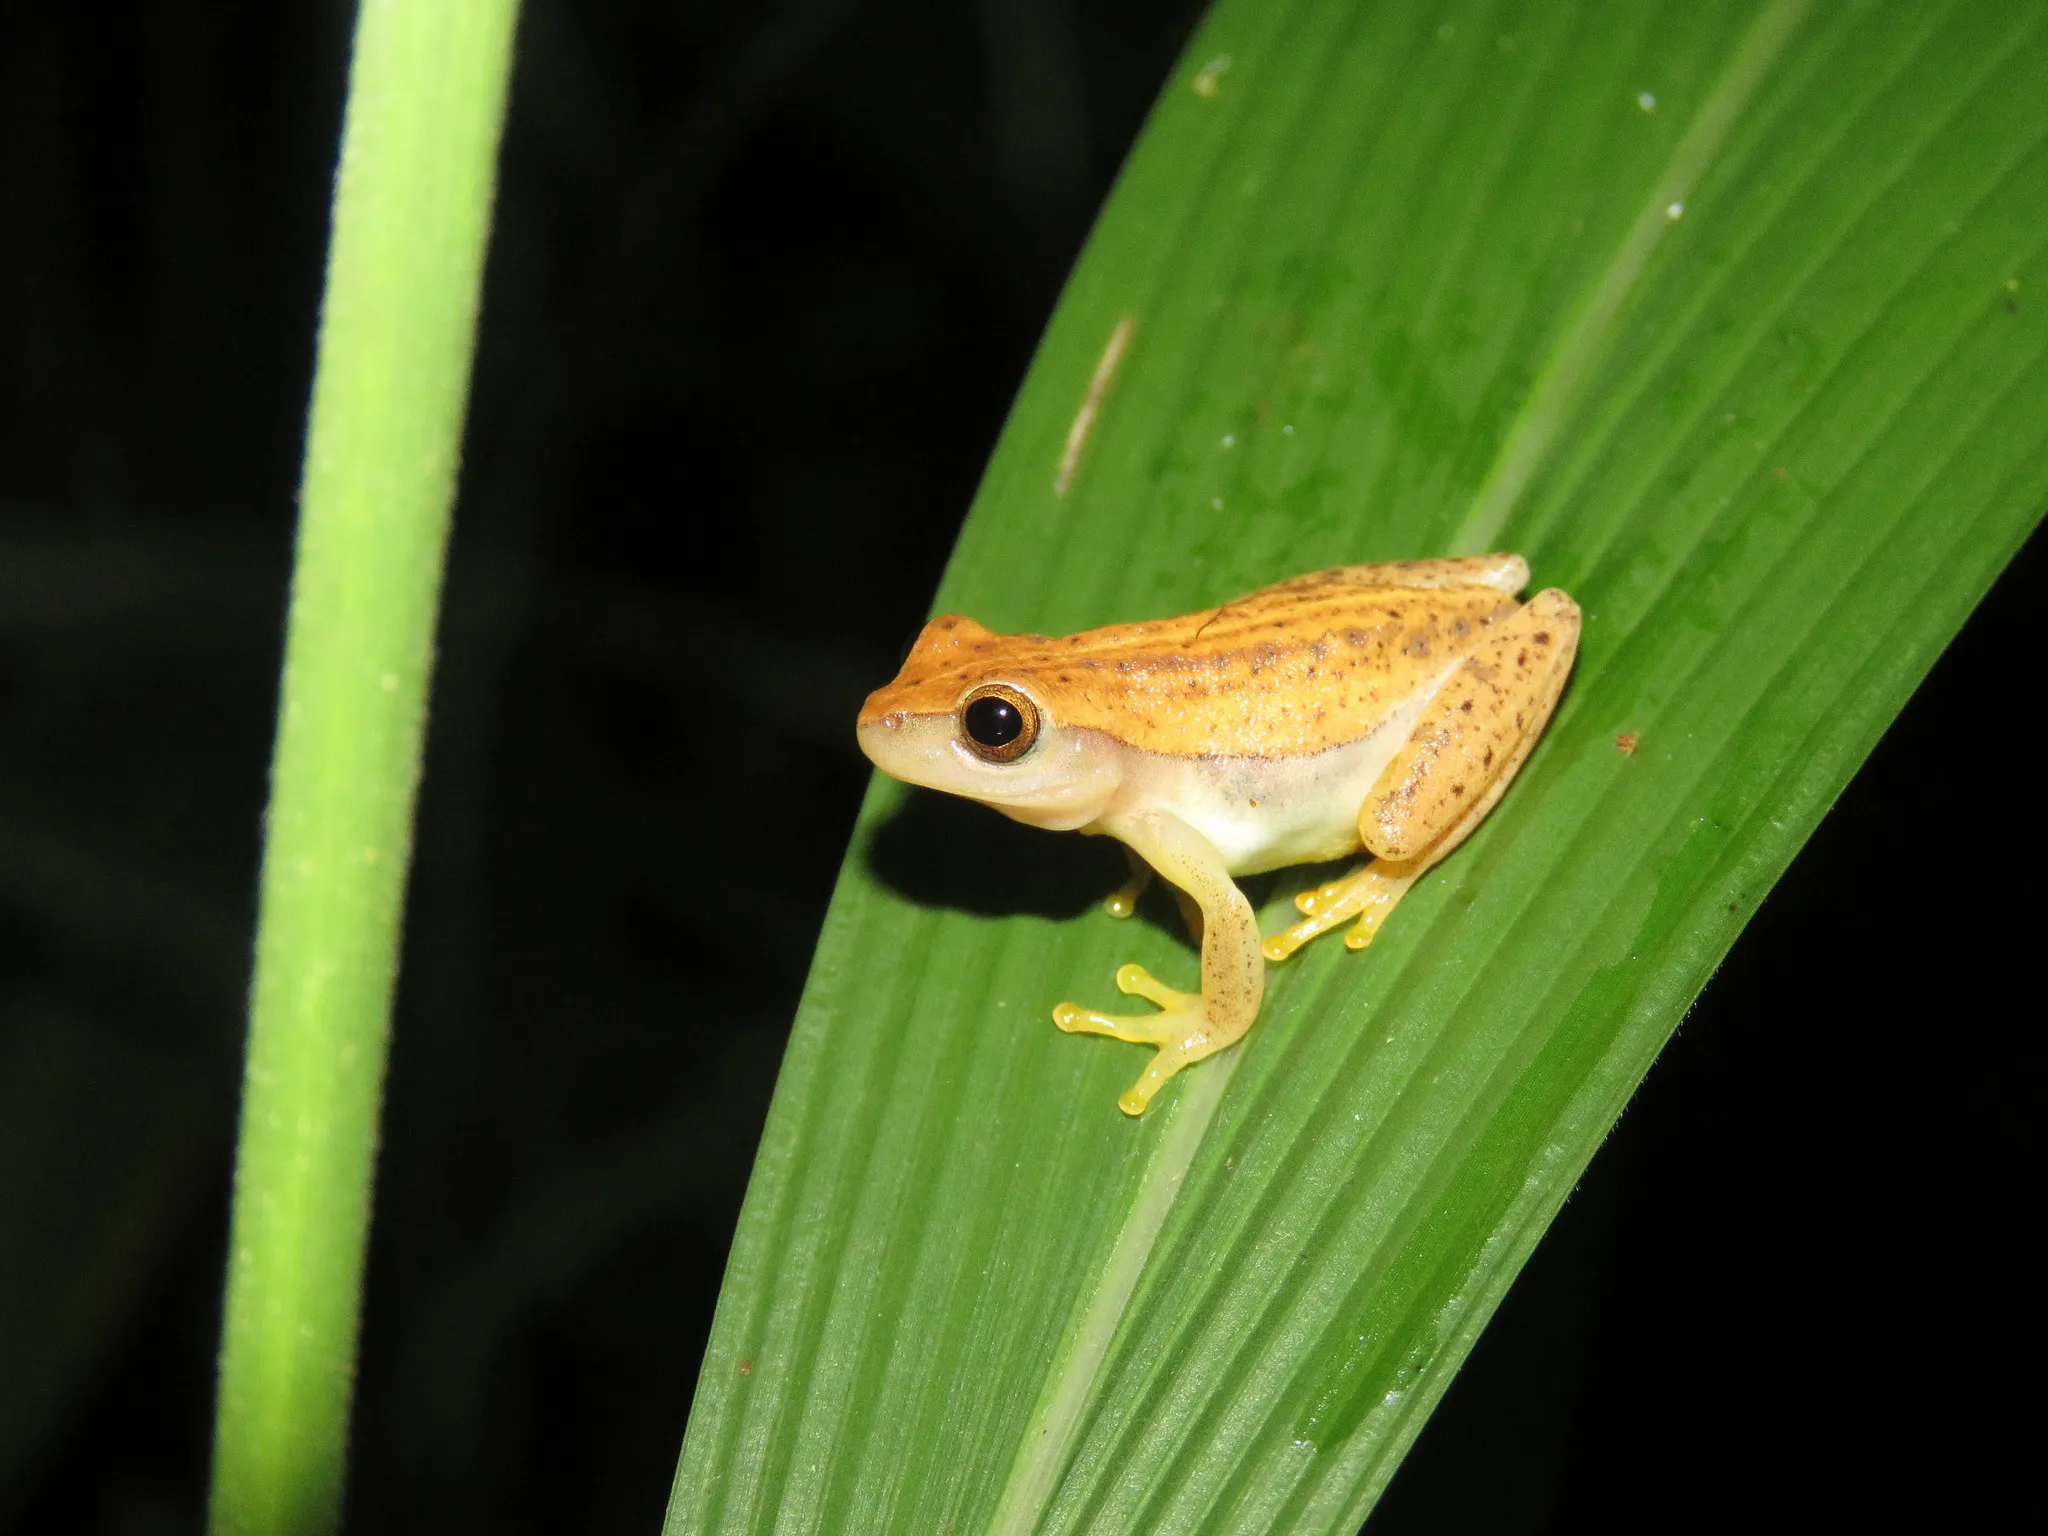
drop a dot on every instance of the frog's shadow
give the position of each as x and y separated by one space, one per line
941 851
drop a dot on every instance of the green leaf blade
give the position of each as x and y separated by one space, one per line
1777 453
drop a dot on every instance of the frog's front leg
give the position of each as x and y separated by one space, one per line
1189 1026
1466 749
1123 901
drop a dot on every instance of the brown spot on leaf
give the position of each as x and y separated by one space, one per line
1627 742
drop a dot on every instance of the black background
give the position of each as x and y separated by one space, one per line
763 281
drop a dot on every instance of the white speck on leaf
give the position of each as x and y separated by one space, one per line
1676 210
1647 102
1210 75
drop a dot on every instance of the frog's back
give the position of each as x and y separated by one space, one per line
1313 662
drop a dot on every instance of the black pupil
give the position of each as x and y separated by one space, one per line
994 722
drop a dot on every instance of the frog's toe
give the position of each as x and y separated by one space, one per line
1168 1025
1292 937
1073 1019
1193 1045
1367 927
1137 1098
1136 981
1284 943
1319 898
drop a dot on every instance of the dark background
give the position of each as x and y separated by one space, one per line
763 281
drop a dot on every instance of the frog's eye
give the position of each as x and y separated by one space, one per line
1000 724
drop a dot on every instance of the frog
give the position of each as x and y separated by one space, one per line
1379 709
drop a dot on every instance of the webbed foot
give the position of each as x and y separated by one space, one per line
1368 896
1181 1031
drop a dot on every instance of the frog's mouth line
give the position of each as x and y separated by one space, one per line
1068 778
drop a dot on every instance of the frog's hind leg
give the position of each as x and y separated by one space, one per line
1466 748
1473 736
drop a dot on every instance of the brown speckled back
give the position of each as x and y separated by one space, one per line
1313 662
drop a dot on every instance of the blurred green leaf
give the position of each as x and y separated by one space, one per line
1731 319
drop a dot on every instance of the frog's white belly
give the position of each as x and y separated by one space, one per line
1267 813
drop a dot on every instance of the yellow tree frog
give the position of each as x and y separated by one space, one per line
1382 707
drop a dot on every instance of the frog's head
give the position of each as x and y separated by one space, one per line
968 714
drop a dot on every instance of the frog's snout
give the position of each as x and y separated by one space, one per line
875 714
885 738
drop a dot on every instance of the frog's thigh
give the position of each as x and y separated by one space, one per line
1472 736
